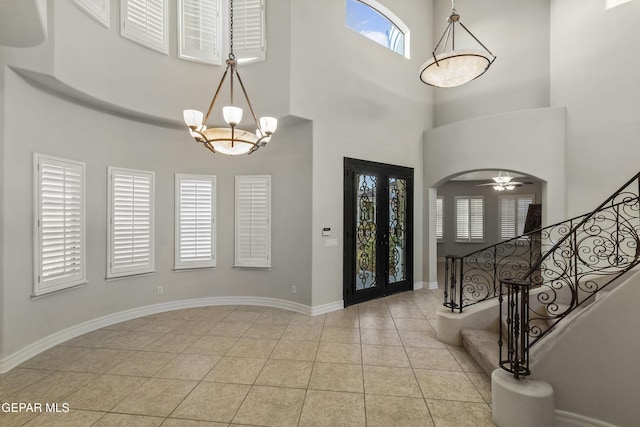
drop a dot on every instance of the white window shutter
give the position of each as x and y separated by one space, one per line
439 218
195 221
145 22
523 207
253 221
476 219
248 30
96 9
131 224
513 214
199 30
462 218
60 224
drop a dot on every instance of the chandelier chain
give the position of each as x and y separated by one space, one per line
231 55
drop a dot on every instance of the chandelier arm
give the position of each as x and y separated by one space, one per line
441 38
209 147
476 39
253 114
213 101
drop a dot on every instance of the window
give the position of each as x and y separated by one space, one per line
195 221
59 224
439 219
513 214
469 219
377 23
613 3
96 9
131 222
145 22
202 32
199 30
253 221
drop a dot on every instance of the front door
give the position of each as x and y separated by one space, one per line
378 230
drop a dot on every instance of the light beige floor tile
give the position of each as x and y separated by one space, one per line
16 419
19 378
95 339
384 355
275 317
160 326
143 364
390 381
74 418
342 322
254 347
341 335
420 339
482 382
407 324
265 330
242 316
410 313
172 343
380 336
188 367
432 358
156 397
465 361
133 340
285 373
379 310
194 327
175 422
212 402
230 328
295 350
128 325
52 388
271 406
211 345
53 359
447 385
375 322
333 408
459 414
337 377
236 370
304 320
125 420
96 360
302 333
339 353
103 393
385 411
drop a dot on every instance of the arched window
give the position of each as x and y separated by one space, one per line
376 22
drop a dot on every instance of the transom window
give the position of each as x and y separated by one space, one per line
377 23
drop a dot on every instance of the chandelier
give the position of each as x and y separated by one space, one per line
503 182
455 67
230 140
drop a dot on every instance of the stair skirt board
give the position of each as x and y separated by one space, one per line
569 419
12 360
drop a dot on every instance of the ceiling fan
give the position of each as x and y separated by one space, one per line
503 182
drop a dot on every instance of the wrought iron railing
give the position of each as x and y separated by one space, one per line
475 277
587 258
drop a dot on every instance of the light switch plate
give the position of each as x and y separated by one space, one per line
330 243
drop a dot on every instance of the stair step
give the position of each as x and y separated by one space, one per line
482 346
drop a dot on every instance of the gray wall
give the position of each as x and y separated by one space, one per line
451 189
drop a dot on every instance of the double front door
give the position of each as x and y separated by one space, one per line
378 230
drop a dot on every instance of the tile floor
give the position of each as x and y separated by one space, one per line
374 364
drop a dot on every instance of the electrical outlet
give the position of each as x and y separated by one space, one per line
160 290
293 289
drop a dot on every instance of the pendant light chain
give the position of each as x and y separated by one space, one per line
231 55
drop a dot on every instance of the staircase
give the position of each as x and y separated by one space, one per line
542 280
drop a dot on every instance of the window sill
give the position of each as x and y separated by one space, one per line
187 269
58 291
129 275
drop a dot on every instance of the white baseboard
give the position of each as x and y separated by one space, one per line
569 419
418 285
433 285
11 361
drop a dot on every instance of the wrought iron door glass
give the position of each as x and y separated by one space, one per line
397 230
366 229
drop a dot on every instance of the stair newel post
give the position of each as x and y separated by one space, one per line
460 261
517 333
451 282
496 282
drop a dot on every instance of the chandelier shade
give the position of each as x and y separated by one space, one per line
452 68
230 140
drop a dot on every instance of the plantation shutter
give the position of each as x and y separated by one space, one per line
132 220
96 9
248 29
469 219
145 22
513 214
439 219
60 251
253 222
195 209
199 29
